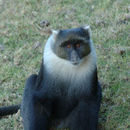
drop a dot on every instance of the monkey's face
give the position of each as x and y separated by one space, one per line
72 44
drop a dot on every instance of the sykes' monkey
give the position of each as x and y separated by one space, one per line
69 82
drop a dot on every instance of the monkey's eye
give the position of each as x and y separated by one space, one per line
68 45
77 45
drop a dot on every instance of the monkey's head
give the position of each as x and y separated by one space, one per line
72 44
70 53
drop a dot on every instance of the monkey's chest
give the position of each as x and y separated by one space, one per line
67 96
63 106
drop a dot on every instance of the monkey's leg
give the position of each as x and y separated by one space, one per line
35 115
83 117
87 116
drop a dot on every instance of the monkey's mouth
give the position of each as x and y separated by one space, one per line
75 63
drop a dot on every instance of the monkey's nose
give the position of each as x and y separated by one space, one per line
74 58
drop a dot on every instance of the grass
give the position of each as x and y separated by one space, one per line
22 41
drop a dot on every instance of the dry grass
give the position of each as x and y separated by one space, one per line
22 37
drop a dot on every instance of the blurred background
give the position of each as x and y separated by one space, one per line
24 28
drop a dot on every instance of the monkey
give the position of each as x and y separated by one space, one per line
66 93
70 80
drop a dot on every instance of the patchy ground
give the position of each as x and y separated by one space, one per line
24 28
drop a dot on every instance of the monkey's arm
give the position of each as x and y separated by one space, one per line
36 115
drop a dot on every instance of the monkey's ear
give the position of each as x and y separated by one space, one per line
55 33
88 31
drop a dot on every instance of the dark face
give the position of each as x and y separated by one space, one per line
74 46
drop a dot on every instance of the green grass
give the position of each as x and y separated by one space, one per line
20 33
